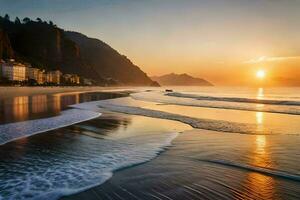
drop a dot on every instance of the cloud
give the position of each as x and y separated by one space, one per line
271 59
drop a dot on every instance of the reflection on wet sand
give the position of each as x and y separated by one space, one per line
260 93
185 170
105 125
67 160
116 126
260 121
260 186
260 115
23 108
257 185
38 103
20 110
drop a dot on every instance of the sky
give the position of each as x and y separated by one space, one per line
223 41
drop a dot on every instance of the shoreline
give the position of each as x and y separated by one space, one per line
179 173
8 92
199 164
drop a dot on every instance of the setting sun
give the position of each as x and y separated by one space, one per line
260 74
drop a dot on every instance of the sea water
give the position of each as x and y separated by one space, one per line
74 158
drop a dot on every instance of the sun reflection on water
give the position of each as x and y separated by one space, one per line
260 93
260 121
260 144
259 186
259 117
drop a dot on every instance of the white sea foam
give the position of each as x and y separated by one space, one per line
56 172
53 173
235 99
121 105
192 100
13 131
50 172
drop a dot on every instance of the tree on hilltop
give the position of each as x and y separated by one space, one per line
17 20
6 17
26 20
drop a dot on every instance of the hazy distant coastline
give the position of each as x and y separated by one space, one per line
180 80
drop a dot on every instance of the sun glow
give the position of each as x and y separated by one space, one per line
260 74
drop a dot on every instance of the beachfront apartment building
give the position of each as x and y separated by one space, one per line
87 81
35 74
13 71
32 73
71 78
53 77
1 63
41 77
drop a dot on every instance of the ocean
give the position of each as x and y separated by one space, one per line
192 143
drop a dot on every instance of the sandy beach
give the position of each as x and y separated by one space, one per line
150 100
8 92
192 168
150 146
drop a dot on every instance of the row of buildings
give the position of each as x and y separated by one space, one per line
19 72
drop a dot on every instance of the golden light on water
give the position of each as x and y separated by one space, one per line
259 117
260 121
260 144
261 74
260 93
259 186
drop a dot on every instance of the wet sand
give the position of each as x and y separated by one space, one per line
200 164
21 104
26 91
63 161
203 164
188 170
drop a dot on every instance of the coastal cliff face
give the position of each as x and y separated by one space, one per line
107 61
6 50
45 46
48 47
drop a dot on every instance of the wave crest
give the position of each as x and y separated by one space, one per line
235 99
13 131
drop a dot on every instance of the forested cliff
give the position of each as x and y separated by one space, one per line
45 46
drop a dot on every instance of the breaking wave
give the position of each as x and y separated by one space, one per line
207 124
235 99
13 131
191 100
56 172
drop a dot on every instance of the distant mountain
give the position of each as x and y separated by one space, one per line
180 80
48 47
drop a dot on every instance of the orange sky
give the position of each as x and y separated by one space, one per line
224 41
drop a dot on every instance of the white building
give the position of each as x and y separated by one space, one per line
41 77
35 74
87 81
32 73
72 78
13 71
53 77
